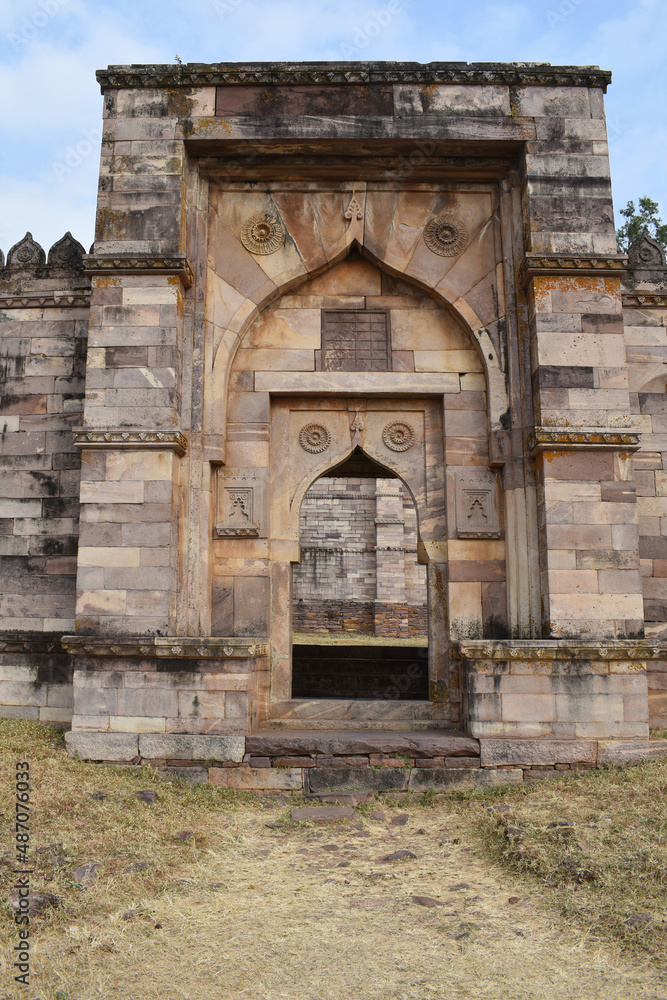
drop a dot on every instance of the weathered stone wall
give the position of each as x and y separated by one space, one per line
43 329
471 206
645 337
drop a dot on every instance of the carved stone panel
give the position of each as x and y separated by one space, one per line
477 504
240 503
355 341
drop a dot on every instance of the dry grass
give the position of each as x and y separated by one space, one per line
597 842
253 906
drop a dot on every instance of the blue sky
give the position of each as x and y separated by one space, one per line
50 111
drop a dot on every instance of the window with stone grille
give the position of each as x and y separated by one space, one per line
355 341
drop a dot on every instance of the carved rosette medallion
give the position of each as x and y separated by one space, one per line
262 234
398 436
446 236
26 253
314 438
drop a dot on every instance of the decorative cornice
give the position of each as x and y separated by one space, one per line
599 266
20 643
173 440
558 649
227 531
132 264
289 74
639 299
178 647
577 439
45 300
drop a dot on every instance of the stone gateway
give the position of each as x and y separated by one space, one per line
346 440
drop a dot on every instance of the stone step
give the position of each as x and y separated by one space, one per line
340 742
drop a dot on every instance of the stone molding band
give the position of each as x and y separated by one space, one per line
130 440
287 74
179 647
46 300
575 439
133 264
638 299
33 644
558 649
560 264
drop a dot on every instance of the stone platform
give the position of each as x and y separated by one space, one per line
323 761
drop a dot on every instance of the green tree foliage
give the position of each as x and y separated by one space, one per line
646 220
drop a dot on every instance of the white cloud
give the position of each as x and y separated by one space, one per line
51 98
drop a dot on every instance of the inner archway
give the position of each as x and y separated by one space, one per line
360 608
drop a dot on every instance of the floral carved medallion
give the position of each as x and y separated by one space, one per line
314 438
446 236
261 234
398 436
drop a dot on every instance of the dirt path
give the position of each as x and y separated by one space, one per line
312 913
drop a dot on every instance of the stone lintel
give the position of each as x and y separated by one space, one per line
140 264
179 647
369 383
580 439
131 440
558 649
567 265
290 74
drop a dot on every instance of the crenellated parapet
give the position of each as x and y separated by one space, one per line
31 278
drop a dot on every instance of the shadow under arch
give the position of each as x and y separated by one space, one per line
461 312
384 471
415 489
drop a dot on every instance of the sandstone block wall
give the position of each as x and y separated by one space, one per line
645 339
518 390
43 329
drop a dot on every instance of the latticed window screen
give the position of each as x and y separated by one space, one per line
355 341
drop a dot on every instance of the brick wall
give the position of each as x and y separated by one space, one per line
359 569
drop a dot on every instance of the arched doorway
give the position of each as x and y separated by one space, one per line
359 604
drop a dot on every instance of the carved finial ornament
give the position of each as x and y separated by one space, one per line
26 253
262 234
446 236
646 254
354 209
67 252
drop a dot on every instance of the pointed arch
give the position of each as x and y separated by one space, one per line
460 310
327 468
